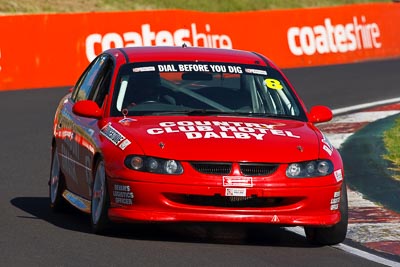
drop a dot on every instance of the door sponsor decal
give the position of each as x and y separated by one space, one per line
114 136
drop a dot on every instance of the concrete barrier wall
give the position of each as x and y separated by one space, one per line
47 50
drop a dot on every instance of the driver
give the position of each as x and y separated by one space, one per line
145 87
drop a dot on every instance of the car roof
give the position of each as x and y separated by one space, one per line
183 53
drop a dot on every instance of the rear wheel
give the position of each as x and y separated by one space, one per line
336 233
100 200
56 184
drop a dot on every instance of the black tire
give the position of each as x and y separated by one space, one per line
335 234
56 184
100 201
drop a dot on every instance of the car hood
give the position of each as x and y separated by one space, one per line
217 138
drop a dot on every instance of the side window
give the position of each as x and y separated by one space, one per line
87 82
102 84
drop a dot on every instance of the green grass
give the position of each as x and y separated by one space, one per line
229 5
391 138
51 6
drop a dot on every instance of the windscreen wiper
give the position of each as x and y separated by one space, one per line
200 112
195 112
273 115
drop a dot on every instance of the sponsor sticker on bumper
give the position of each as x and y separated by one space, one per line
235 192
238 181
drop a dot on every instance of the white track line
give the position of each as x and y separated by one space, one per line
366 255
355 251
363 106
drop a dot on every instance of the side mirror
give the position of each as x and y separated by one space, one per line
320 114
87 108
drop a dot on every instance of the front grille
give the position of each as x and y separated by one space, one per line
258 169
232 202
218 168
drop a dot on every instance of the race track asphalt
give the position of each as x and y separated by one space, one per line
33 236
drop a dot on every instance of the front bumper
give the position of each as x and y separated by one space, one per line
138 201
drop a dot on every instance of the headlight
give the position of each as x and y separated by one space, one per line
315 168
172 166
136 163
154 165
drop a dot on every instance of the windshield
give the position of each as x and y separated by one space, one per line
160 88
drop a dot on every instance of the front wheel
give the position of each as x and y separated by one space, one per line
100 200
56 184
335 234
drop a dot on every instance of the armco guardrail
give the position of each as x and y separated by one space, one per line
48 50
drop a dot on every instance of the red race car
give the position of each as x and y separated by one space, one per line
184 134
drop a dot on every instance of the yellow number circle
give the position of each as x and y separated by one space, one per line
273 84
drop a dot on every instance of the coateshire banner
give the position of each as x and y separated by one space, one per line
47 50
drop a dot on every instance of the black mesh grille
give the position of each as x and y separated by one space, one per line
257 169
232 202
218 168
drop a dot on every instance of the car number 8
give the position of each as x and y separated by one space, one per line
273 84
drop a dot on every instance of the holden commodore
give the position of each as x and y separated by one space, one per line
186 134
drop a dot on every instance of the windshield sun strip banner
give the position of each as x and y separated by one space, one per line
210 67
